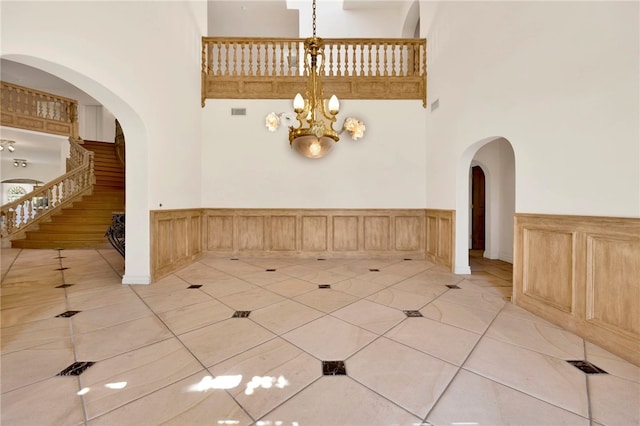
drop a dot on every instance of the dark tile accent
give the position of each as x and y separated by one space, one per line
195 286
234 258
271 270
321 259
411 314
407 259
59 248
67 314
324 285
334 368
76 368
241 314
60 269
454 286
587 367
60 257
374 270
64 285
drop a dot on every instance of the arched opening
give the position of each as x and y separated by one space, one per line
493 158
477 198
137 267
411 25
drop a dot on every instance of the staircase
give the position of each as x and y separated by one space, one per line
84 223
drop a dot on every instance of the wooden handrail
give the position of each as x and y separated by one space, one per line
51 197
265 68
32 109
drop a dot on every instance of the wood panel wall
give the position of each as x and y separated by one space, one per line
310 232
176 240
439 236
582 273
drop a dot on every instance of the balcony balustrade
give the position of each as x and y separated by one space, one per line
260 68
31 109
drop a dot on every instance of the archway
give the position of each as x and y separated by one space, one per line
495 155
411 24
137 265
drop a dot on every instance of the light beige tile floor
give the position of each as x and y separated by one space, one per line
415 351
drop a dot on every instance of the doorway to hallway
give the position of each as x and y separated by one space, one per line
477 208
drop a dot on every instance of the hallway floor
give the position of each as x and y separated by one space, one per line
291 342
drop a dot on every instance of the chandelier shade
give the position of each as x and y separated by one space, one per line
312 146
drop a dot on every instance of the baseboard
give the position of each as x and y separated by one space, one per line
136 280
462 270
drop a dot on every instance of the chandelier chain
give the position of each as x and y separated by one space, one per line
314 18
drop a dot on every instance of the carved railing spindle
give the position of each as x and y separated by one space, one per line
393 61
18 101
26 109
353 61
330 48
243 71
274 59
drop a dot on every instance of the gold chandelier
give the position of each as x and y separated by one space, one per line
314 136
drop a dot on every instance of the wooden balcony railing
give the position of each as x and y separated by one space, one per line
32 109
259 68
30 209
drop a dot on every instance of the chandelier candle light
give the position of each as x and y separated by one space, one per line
314 135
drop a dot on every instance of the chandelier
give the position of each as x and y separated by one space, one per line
9 144
314 135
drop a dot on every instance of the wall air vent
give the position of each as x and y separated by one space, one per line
238 111
435 104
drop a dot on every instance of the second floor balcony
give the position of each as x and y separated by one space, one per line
274 68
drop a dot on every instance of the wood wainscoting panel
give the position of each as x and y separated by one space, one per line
250 230
283 233
195 234
376 232
164 237
219 233
176 240
408 233
613 283
445 240
548 267
439 236
581 273
346 235
314 233
180 236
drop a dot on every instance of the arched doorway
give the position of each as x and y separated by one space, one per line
477 205
137 265
495 160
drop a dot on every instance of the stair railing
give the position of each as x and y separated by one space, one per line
53 196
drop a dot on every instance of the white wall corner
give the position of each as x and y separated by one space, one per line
462 270
136 279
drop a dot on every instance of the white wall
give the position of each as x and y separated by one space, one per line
245 165
559 80
262 18
96 123
141 60
334 21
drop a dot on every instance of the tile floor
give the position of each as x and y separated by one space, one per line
309 342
